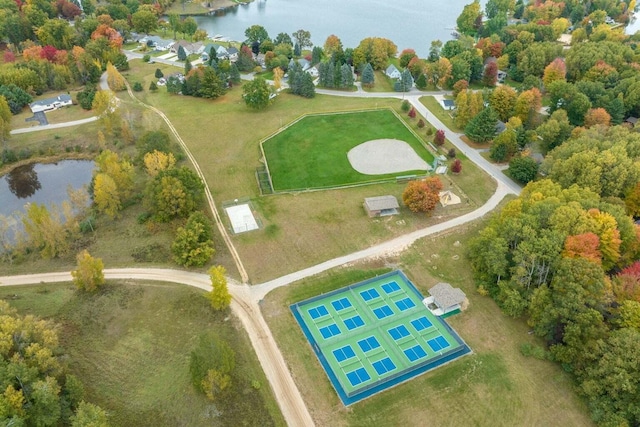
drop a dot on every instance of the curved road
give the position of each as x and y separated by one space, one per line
246 298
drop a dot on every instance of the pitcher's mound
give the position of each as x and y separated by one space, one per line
383 156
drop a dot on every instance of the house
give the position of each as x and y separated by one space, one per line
393 72
313 71
444 299
381 206
502 75
448 104
500 127
50 104
156 42
190 48
232 54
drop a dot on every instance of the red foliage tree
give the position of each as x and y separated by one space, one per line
48 53
583 246
459 86
9 57
422 196
627 283
439 138
456 166
490 76
406 56
412 113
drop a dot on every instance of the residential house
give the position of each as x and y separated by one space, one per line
448 104
51 104
190 48
393 72
156 42
232 54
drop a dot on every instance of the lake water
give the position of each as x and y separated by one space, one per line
42 183
408 24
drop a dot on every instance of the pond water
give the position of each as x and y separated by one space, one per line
408 24
42 183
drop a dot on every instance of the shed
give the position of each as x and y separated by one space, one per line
50 103
448 104
444 299
381 206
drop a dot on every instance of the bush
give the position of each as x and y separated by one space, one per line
451 153
456 166
412 113
439 138
146 58
137 87
420 124
532 350
405 106
429 131
159 74
153 87
523 169
85 97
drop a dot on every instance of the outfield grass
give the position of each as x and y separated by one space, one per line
312 153
130 344
303 229
494 386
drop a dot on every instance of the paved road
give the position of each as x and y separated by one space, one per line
53 126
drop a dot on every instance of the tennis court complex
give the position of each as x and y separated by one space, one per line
375 334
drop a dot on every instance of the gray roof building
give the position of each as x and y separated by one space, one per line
446 296
381 205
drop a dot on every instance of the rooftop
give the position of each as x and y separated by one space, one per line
446 295
380 203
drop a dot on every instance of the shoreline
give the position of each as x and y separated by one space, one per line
213 7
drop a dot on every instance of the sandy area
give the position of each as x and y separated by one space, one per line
382 156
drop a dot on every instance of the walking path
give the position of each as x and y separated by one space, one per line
246 298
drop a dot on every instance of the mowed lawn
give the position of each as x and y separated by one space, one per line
130 345
494 386
312 152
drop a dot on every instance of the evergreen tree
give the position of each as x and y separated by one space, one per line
159 74
421 83
234 73
187 67
368 77
346 76
296 50
307 88
182 54
316 55
616 110
330 74
482 127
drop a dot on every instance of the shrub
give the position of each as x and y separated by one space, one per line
451 153
429 131
439 138
159 74
137 86
456 166
153 87
412 113
420 124
146 58
405 107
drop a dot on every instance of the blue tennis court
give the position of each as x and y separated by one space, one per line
383 366
330 331
341 304
405 304
370 294
421 323
399 332
354 322
414 353
382 312
318 311
375 334
344 353
438 343
368 344
358 376
391 287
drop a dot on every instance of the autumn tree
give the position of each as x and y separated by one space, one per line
256 94
158 161
466 22
504 146
333 47
113 182
583 246
439 138
89 415
5 121
89 275
503 101
456 166
422 195
527 105
219 296
490 75
556 70
174 193
105 105
105 195
193 245
46 231
597 116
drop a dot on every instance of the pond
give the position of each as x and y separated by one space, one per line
408 25
44 183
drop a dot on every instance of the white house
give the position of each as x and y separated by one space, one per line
393 72
448 104
50 104
156 42
313 71
189 48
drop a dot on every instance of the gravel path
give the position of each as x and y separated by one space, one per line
382 156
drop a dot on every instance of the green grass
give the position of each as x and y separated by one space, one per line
312 153
382 83
130 345
496 385
436 109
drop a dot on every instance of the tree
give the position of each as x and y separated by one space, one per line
527 105
583 245
187 66
158 74
219 296
144 21
368 77
504 146
56 33
333 48
406 56
189 26
174 193
89 275
105 105
89 415
45 231
158 161
153 86
256 33
597 116
503 101
490 76
482 127
405 82
523 169
105 195
439 138
182 54
256 93
422 196
302 38
456 166
277 78
467 20
556 70
193 245
5 121
283 38
16 97
175 24
114 78
152 141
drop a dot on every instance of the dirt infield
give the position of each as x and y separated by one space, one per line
383 156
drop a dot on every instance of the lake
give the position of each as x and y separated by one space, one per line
408 25
42 183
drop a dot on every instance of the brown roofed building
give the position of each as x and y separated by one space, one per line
381 206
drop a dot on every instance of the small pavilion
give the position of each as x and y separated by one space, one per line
444 299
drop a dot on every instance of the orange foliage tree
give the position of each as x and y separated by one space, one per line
583 246
422 196
597 116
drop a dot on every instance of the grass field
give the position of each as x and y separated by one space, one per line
312 152
303 229
130 347
495 386
436 109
